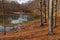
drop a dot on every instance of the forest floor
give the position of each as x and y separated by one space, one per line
32 31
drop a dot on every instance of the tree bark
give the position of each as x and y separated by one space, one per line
48 9
50 17
4 17
41 21
55 14
45 11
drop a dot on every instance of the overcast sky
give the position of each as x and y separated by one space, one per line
20 1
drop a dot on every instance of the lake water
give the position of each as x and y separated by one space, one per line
9 28
21 19
14 21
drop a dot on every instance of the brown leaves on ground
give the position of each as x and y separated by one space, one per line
32 31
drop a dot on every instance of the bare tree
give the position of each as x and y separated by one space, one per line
48 8
55 14
50 17
4 17
41 20
45 11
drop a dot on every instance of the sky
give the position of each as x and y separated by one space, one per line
20 1
23 1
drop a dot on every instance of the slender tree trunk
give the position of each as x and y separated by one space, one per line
55 14
41 21
48 9
45 11
50 17
4 17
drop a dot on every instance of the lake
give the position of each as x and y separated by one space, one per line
9 28
20 19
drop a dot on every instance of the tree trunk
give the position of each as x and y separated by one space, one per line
48 9
50 17
55 14
45 11
4 17
41 21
